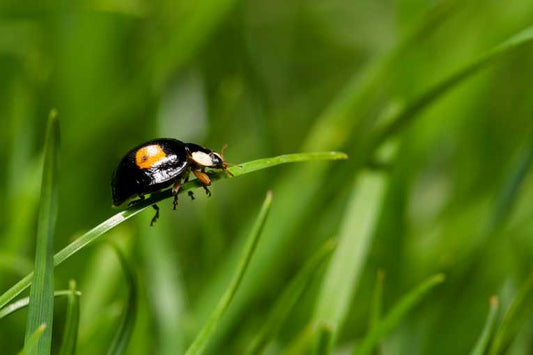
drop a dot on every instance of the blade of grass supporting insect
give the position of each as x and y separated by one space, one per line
514 318
398 312
23 302
288 299
32 341
93 234
122 335
205 333
377 299
41 307
482 344
70 333
347 262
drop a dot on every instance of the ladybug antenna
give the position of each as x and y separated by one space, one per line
225 164
224 147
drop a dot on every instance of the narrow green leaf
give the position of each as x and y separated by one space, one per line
377 299
288 299
163 282
405 115
70 333
514 319
41 307
129 314
193 32
31 344
482 344
23 302
394 317
324 340
204 335
93 234
347 262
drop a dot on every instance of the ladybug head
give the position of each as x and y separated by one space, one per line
204 157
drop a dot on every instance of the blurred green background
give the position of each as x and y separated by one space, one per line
268 78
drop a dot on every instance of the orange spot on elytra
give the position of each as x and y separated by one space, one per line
146 157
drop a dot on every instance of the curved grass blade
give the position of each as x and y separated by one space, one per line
288 299
204 335
377 301
393 318
120 217
41 307
347 263
32 341
70 334
23 302
514 319
484 339
129 314
403 116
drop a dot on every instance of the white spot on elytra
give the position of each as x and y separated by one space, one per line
202 158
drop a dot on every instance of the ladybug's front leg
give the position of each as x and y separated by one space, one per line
204 179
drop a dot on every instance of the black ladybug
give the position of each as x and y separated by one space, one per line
160 163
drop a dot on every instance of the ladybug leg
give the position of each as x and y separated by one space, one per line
190 193
204 179
134 202
154 219
175 190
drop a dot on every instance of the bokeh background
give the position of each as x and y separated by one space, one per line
268 78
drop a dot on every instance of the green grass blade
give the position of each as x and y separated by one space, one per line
193 32
23 302
345 267
70 333
166 293
205 333
41 307
31 343
93 234
324 340
377 301
403 117
482 344
394 317
336 125
514 319
288 299
129 314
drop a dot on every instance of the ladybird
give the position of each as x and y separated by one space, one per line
161 163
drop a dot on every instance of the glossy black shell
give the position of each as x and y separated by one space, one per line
130 180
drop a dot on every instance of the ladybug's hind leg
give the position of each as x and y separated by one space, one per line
154 219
